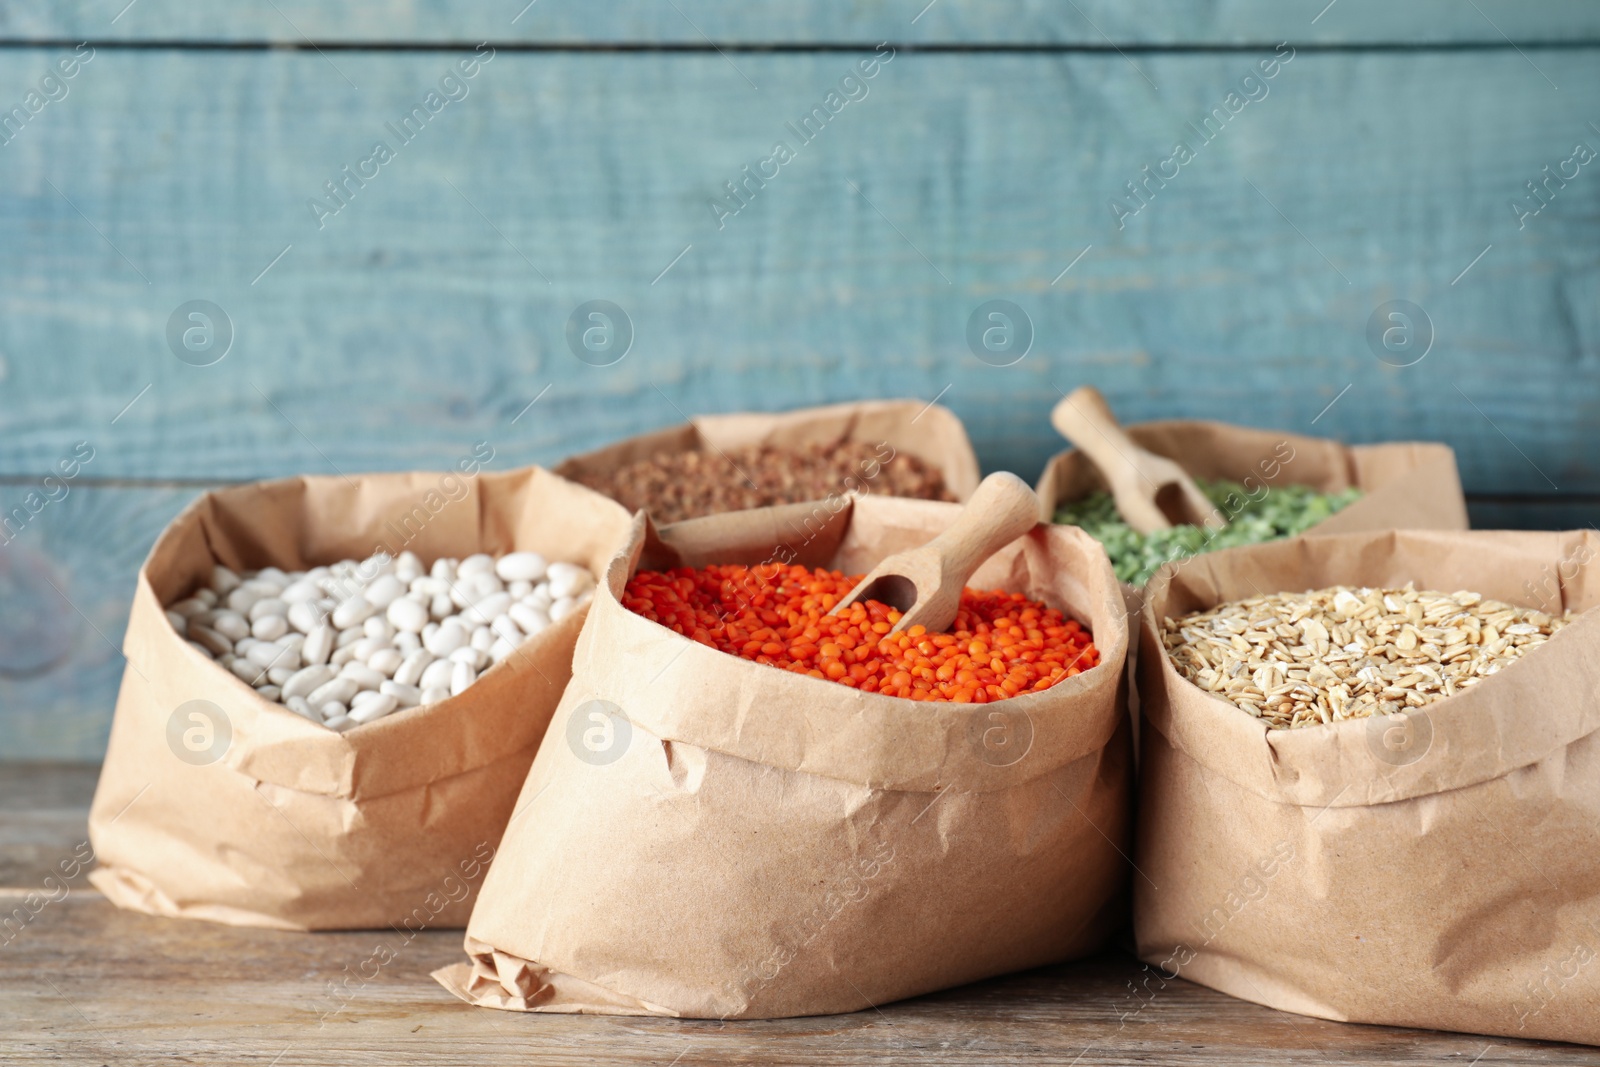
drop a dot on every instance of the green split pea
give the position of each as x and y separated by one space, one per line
1252 518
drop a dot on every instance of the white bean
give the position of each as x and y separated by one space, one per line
247 672
449 637
242 598
319 643
386 661
269 627
299 706
521 567
351 641
340 689
352 611
437 674
368 647
480 613
270 655
304 615
482 638
407 566
505 628
568 579
270 605
307 679
384 590
223 580
529 619
409 696
300 591
363 675
380 705
427 587
210 640
410 670
231 624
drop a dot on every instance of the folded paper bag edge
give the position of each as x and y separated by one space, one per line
1469 732
670 671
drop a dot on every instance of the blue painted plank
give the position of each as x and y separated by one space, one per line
432 308
67 582
1095 23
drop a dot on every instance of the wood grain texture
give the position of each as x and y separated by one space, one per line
81 982
431 310
71 572
1031 22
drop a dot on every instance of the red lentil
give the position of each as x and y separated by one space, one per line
1000 645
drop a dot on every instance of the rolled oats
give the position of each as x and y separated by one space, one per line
1303 659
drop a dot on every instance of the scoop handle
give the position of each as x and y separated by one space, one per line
1001 510
1084 418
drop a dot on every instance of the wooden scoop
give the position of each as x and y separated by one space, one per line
1152 492
925 583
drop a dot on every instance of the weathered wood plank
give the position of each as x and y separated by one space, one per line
66 582
1088 22
44 811
82 982
85 983
419 318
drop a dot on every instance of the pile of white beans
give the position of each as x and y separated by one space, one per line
352 642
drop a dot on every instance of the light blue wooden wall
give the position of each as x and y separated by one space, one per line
428 312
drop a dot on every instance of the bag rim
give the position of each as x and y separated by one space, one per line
1505 722
852 745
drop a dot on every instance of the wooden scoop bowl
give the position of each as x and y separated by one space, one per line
925 583
1152 492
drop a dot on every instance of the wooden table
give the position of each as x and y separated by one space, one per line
84 983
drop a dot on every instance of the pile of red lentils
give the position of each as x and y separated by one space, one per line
1000 645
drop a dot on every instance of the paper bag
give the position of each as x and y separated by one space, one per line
214 803
928 432
1404 485
709 837
1440 870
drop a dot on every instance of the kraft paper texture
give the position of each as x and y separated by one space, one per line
1439 869
1404 485
292 825
759 844
931 433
